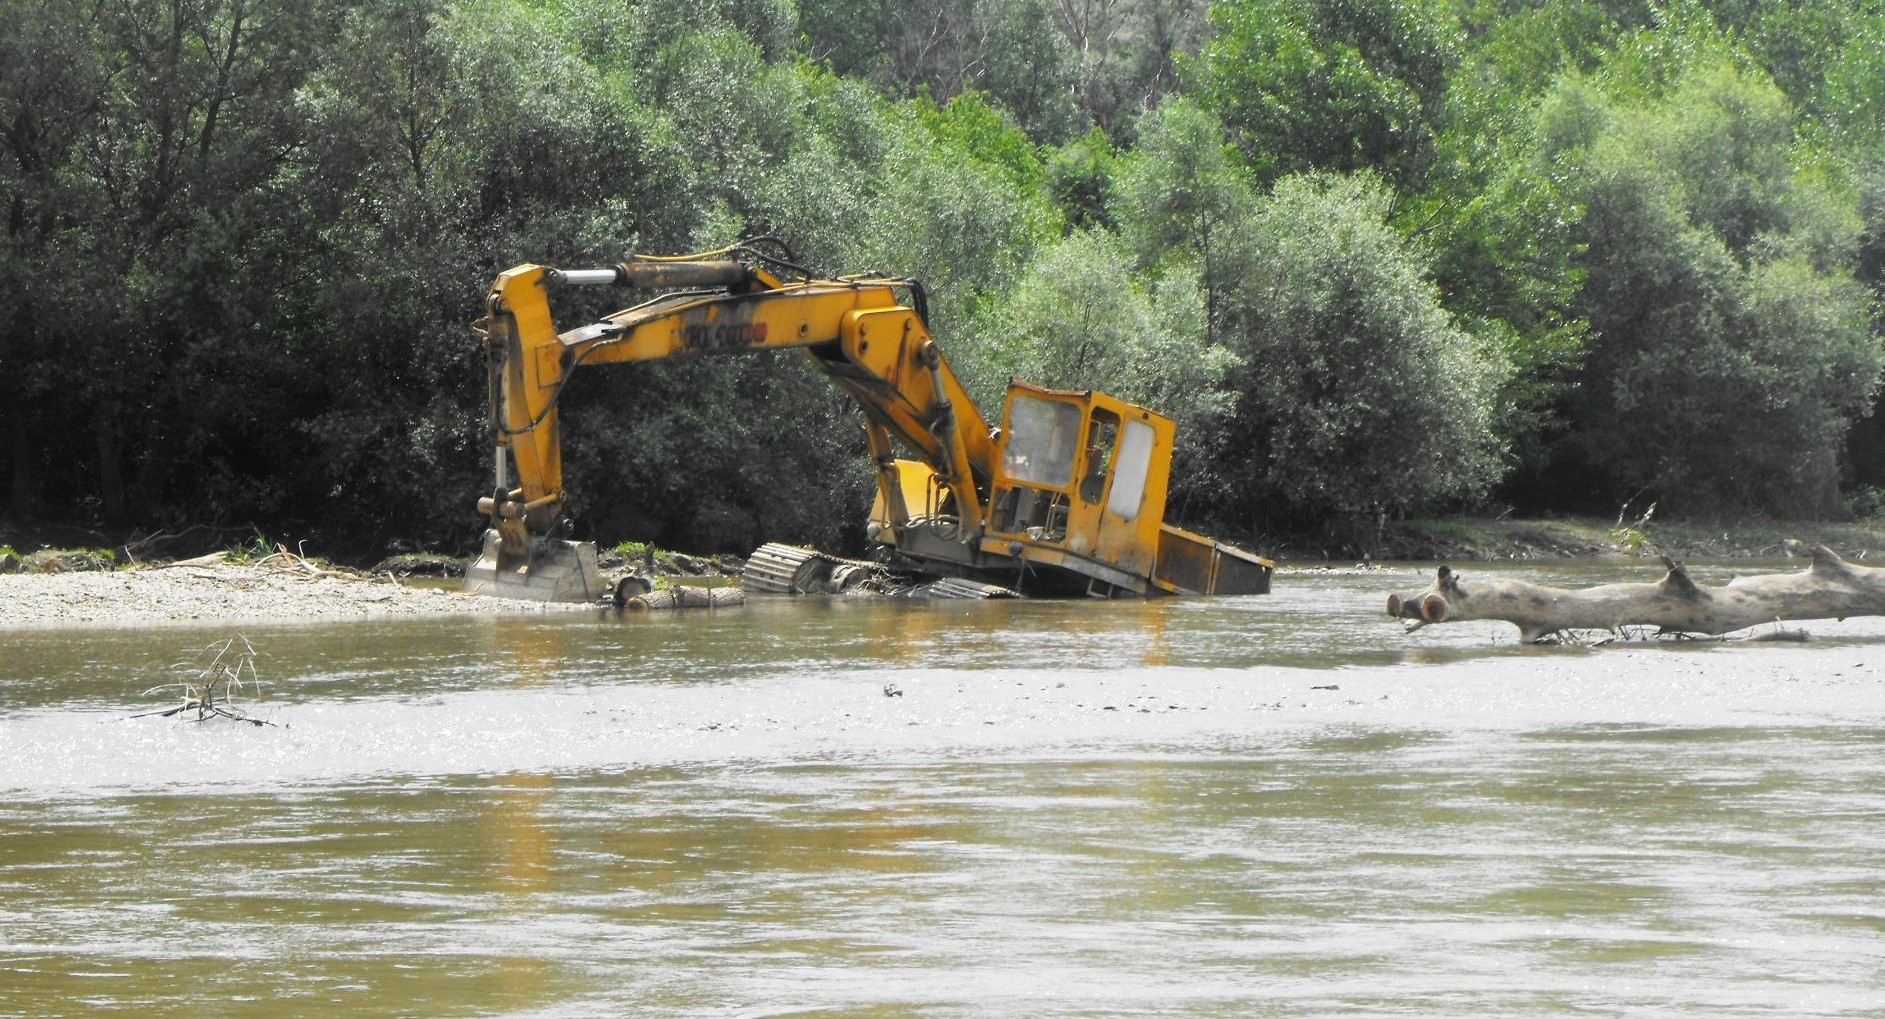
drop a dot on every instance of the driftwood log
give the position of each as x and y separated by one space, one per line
684 598
1830 588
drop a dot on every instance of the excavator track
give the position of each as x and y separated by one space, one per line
776 568
956 587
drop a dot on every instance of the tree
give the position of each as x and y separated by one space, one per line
1081 317
157 202
1336 85
1180 196
1360 395
1079 175
1855 85
1128 54
1798 43
944 47
1716 324
947 217
53 85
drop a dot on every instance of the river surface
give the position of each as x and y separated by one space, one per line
1278 806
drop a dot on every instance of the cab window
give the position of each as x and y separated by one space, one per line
1099 452
1130 468
1043 436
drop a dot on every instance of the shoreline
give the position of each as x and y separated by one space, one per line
1423 540
1467 539
87 589
206 593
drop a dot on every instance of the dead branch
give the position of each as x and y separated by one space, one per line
1830 588
210 693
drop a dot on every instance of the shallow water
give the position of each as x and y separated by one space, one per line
1270 806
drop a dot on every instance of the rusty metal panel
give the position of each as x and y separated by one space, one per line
1198 565
1184 561
1239 572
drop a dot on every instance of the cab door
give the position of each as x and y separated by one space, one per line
1120 500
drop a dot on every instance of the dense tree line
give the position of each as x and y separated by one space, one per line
1377 256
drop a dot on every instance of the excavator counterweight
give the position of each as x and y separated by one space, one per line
1066 497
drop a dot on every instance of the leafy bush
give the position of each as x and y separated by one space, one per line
1717 325
1359 392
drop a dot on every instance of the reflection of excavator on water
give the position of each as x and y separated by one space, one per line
1067 497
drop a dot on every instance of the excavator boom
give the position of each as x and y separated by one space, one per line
963 500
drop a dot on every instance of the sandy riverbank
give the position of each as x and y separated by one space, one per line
220 591
287 588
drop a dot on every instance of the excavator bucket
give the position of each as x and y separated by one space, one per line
553 570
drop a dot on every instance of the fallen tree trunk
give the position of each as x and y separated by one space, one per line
685 598
1831 588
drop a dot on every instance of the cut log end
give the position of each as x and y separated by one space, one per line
1433 609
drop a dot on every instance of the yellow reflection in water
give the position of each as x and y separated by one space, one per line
512 824
534 648
517 839
1149 617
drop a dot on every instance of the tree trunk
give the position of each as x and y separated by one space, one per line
23 485
110 468
1829 589
685 598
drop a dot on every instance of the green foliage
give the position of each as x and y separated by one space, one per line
1180 197
255 549
1854 87
1080 317
1079 175
1520 50
1800 43
1871 193
1867 503
1501 229
244 239
941 48
1725 138
968 124
1125 54
1350 360
716 455
1328 85
958 223
717 92
1676 40
1715 326
1633 540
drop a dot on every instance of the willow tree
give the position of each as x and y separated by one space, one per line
1360 395
1730 347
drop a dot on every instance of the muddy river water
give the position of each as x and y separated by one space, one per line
1276 806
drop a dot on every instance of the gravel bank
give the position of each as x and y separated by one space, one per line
215 592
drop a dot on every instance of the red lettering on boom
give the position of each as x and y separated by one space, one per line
723 337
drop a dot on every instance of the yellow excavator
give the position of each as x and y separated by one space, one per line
1066 497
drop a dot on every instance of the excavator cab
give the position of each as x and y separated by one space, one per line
1074 471
1076 505
1080 484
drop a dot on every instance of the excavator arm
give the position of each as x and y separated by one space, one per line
1068 498
873 345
